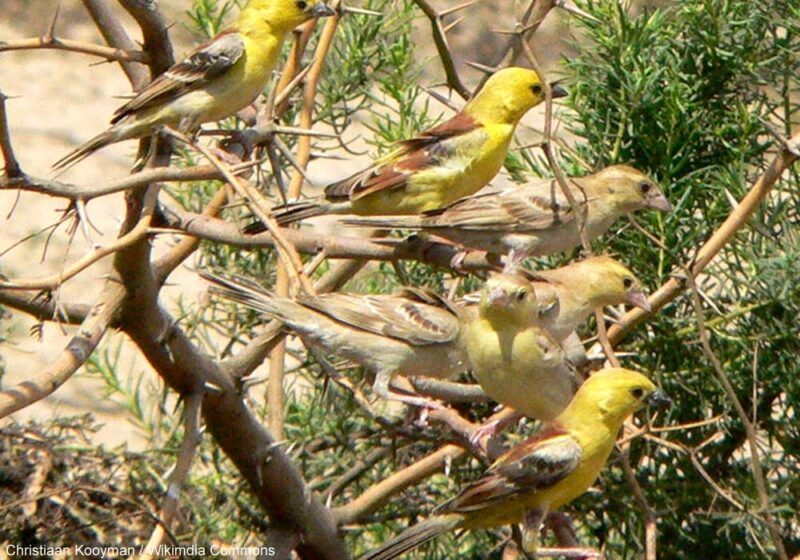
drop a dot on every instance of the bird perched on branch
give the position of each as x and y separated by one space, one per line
414 333
536 219
513 357
452 160
547 471
214 81
583 286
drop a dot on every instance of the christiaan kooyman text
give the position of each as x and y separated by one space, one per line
114 551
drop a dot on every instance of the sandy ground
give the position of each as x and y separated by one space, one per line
62 99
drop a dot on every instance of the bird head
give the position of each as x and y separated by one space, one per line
614 394
609 282
628 189
508 299
508 94
284 15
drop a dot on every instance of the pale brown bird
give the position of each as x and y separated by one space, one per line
414 333
535 219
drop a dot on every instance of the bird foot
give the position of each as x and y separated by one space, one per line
479 438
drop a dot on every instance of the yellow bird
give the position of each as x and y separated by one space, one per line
583 286
415 333
515 360
545 472
214 81
536 219
452 160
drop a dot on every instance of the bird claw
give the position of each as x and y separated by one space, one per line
457 262
481 434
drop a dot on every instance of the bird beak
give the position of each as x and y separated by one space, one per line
499 297
659 202
639 299
659 399
558 91
320 10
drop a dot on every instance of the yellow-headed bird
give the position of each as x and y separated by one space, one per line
214 81
452 160
414 333
583 286
536 219
545 472
515 360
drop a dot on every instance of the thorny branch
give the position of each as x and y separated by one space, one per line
189 372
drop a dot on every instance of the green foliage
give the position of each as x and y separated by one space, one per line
681 92
685 93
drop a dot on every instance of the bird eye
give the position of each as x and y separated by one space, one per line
521 293
627 281
302 4
536 89
645 187
637 393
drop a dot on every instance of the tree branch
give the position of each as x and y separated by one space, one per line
786 156
78 350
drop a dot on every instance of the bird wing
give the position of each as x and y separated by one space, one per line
428 149
202 64
537 206
540 462
401 318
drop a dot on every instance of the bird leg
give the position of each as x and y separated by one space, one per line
490 429
405 396
531 529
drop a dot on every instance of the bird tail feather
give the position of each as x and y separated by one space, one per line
414 536
290 213
243 291
387 222
85 150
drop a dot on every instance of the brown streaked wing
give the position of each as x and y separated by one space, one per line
412 155
207 61
396 317
541 461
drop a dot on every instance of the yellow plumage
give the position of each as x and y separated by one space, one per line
214 81
515 360
545 472
452 160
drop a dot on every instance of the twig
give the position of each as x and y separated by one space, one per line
116 36
78 350
50 42
11 165
442 47
191 439
54 280
309 95
732 224
752 441
136 180
285 249
375 496
335 247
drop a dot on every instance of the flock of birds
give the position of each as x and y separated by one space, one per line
517 336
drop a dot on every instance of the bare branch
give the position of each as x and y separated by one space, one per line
752 438
191 439
78 350
11 167
72 314
50 42
136 180
734 222
442 47
374 497
335 247
115 35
